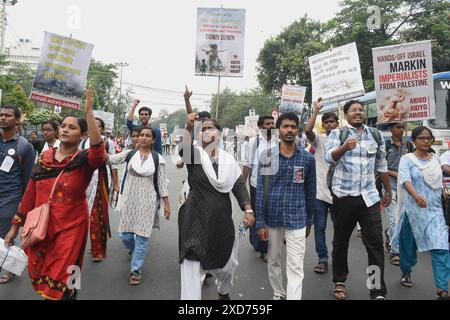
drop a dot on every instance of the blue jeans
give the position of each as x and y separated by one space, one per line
440 259
320 225
138 246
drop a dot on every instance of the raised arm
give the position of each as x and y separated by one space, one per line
309 130
133 110
93 131
187 101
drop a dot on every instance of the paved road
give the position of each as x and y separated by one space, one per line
161 273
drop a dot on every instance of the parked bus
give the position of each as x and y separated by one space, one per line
440 126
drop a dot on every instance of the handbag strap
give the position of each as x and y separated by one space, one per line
50 198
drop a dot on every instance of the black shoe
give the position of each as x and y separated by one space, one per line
224 296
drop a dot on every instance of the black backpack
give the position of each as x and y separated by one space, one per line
155 156
343 135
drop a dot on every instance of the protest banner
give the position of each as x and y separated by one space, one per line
404 82
62 71
292 99
220 42
107 117
336 74
251 125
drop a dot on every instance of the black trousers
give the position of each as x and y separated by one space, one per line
349 211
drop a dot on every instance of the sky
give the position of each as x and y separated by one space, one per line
157 38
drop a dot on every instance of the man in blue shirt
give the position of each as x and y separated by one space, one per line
285 207
16 161
145 115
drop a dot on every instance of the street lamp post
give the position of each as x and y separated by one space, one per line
5 3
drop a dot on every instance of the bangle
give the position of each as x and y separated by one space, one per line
250 211
389 193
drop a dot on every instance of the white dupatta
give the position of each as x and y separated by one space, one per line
228 173
432 175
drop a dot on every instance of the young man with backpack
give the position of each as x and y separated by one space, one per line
324 201
355 152
257 145
17 158
395 149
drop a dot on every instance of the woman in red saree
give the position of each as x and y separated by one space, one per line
50 262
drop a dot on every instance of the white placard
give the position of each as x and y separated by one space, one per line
336 74
220 42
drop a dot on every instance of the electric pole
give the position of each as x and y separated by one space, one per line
121 65
4 4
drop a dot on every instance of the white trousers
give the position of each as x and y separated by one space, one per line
192 276
295 254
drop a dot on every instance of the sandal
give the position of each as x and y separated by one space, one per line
7 278
339 292
321 268
442 295
406 281
395 259
135 279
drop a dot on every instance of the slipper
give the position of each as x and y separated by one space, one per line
339 292
321 268
135 279
6 278
395 260
406 281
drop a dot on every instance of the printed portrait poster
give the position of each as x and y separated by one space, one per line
404 82
292 99
62 71
220 42
336 75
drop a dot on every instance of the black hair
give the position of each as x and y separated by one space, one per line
135 129
145 109
102 123
148 128
81 122
262 119
349 104
17 112
58 120
329 115
215 123
393 124
415 133
52 123
34 132
204 115
288 116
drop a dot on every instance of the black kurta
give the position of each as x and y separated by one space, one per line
205 223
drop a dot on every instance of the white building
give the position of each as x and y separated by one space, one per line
23 53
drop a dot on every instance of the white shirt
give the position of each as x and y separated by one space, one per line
323 193
253 156
445 158
56 145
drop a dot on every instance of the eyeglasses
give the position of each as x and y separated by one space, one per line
431 139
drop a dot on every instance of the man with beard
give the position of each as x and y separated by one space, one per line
285 207
355 152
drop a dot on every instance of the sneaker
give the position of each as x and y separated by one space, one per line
276 297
